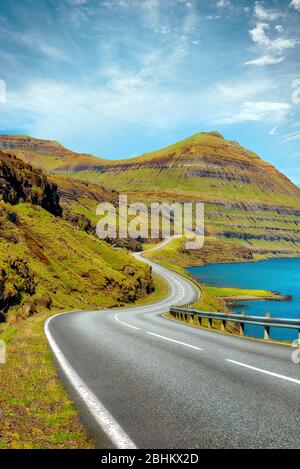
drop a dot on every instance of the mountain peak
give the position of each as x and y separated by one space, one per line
212 133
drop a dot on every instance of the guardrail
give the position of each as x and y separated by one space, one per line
191 315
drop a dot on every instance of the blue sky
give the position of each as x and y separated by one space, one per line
117 78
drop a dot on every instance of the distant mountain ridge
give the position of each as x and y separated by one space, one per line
247 200
203 163
46 154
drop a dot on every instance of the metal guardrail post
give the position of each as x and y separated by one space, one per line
242 325
219 320
267 329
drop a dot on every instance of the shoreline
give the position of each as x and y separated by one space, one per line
273 297
231 300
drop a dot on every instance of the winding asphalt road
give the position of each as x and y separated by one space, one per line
142 381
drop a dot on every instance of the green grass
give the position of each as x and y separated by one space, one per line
161 290
37 412
231 292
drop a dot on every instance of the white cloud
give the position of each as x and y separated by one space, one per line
34 41
77 2
290 137
266 15
271 46
257 111
223 3
259 36
273 131
244 89
264 41
279 28
213 17
142 101
296 4
282 43
47 49
265 60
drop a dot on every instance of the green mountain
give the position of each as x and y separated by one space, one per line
45 154
249 203
45 261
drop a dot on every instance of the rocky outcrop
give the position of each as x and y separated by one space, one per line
20 182
16 281
79 220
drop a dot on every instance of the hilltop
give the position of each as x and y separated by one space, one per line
46 154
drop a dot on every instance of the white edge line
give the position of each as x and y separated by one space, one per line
287 378
101 415
125 323
175 341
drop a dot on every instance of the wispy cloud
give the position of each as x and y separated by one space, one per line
77 2
258 111
265 60
271 40
260 37
264 14
274 130
290 137
34 41
223 4
59 110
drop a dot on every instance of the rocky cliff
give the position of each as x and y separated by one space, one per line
19 181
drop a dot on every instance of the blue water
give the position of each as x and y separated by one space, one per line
278 275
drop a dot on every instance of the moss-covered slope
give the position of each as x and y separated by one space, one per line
47 261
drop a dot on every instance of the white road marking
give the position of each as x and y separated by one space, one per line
104 419
125 323
276 375
174 341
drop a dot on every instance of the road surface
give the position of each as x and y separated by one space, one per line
143 381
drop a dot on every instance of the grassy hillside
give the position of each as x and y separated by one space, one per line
45 260
44 154
206 165
72 268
